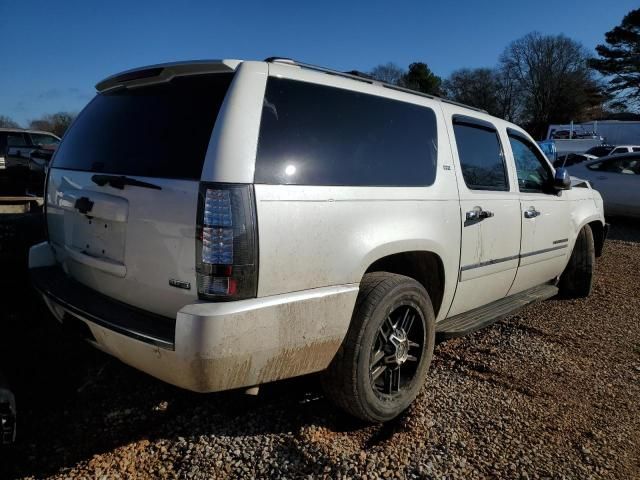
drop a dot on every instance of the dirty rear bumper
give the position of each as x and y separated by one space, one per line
81 301
222 346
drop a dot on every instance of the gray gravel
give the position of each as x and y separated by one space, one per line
553 392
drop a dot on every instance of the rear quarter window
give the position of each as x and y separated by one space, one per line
160 130
318 135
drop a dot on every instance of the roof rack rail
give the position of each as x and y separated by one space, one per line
366 78
317 68
463 105
360 74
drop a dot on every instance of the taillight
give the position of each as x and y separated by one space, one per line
226 242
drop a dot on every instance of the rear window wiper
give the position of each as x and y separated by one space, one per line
119 181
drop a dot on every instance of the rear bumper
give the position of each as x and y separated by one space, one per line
216 346
80 301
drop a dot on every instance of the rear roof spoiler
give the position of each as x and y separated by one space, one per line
164 72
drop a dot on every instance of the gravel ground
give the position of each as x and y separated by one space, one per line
553 392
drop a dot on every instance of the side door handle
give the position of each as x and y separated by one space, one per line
531 212
477 213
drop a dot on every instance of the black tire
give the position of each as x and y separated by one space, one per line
349 381
577 279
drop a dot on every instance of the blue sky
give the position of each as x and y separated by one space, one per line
54 53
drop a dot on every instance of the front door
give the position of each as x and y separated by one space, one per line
490 215
545 217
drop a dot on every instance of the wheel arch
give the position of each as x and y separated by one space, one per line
426 267
598 230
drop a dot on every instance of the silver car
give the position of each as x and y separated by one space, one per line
617 177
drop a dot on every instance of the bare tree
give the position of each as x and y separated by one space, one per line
551 79
388 72
56 123
485 88
477 87
6 122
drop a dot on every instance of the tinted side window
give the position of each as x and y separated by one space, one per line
17 140
317 135
160 130
41 139
619 150
481 157
534 174
636 149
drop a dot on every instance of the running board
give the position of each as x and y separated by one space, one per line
478 318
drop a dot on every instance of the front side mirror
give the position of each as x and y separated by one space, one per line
562 179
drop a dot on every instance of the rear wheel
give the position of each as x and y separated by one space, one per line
383 360
577 279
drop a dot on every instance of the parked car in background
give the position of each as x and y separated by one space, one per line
600 150
40 158
569 159
575 134
617 178
297 220
618 149
16 147
38 165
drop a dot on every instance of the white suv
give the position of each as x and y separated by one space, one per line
224 224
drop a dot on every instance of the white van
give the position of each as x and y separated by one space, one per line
222 224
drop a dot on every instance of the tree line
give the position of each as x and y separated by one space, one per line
538 80
55 122
542 79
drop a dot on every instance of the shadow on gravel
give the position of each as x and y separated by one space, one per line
624 229
74 401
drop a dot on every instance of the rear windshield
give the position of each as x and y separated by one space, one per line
155 131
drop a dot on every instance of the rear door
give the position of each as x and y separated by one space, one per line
545 216
128 238
490 214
